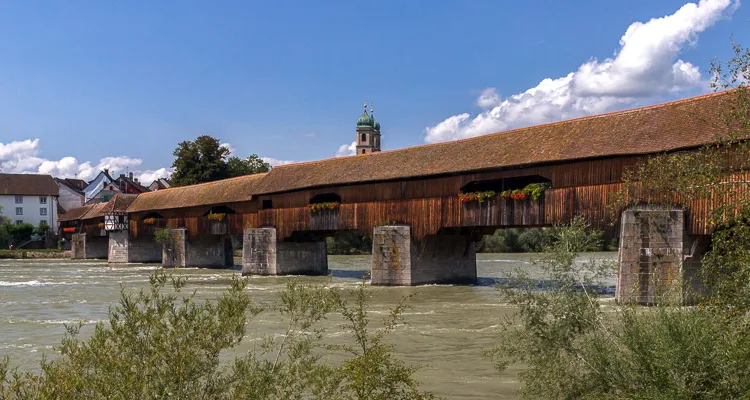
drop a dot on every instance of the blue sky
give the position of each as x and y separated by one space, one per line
87 84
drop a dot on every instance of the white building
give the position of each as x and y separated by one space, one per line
27 198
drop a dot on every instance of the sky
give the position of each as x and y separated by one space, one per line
90 85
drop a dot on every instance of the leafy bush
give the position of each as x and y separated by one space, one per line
573 346
162 343
42 229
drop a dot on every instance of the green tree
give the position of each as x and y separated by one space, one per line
42 229
248 166
198 161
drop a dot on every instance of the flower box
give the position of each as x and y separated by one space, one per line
317 207
479 197
218 217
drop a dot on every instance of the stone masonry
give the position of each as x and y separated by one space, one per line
656 258
205 252
124 249
83 247
263 255
397 260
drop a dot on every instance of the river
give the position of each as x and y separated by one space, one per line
448 326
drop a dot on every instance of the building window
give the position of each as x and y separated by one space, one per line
19 199
42 199
19 222
19 210
267 204
42 211
364 138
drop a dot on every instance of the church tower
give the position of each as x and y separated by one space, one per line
368 133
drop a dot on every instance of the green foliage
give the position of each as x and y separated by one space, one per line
5 236
163 236
15 233
573 346
348 242
42 229
528 240
251 165
163 343
206 160
202 160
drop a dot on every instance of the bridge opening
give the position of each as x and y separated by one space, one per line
325 198
220 210
499 185
154 215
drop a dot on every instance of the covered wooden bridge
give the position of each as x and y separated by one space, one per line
408 199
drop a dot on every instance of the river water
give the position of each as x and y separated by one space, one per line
448 327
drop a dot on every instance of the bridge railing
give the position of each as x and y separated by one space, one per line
499 211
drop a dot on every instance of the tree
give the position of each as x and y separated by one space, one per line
202 160
248 166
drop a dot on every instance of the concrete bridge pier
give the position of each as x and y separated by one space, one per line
210 251
124 249
658 260
263 254
399 260
84 248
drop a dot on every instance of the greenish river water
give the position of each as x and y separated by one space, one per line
448 327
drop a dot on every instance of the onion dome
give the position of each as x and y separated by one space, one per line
365 119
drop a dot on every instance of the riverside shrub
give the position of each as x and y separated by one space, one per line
162 343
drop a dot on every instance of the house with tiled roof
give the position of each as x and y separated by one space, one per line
159 184
71 193
29 198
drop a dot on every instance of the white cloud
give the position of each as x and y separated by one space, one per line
489 98
23 157
146 177
229 147
276 162
347 149
646 66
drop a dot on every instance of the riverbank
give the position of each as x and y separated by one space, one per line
33 254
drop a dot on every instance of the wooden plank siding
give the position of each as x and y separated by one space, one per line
585 188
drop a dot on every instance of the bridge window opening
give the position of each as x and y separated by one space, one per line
266 204
520 182
152 215
220 210
325 198
495 185
499 185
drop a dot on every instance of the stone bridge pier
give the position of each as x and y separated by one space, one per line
209 251
85 247
400 260
124 249
657 258
263 254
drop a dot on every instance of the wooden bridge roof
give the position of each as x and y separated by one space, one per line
671 126
219 192
675 125
75 214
